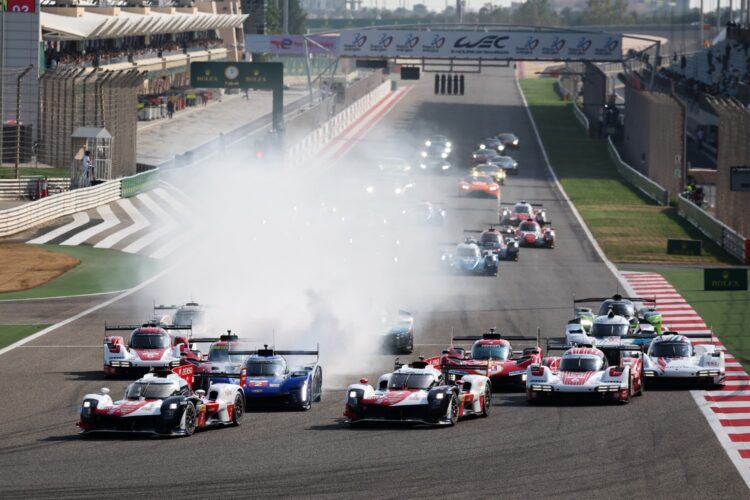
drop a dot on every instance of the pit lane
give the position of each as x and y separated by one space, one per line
659 445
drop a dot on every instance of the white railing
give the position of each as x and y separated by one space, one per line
16 219
637 179
580 116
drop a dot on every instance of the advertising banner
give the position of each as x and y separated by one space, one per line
292 45
19 5
510 45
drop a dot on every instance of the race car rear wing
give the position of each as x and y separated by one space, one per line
514 204
613 297
562 346
143 325
492 334
266 352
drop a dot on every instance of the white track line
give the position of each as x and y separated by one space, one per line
168 226
139 222
109 220
79 219
173 202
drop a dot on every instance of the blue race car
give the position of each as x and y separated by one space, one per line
265 377
470 258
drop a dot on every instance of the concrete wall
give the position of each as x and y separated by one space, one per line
732 207
653 141
594 93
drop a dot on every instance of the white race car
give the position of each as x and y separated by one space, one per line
585 372
418 393
191 315
150 346
163 403
673 357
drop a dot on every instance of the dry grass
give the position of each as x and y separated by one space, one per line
28 266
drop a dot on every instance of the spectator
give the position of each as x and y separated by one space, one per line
170 107
86 170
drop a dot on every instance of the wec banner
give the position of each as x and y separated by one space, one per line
292 45
512 45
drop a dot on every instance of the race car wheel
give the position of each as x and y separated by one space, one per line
451 416
189 419
239 408
487 401
318 381
308 400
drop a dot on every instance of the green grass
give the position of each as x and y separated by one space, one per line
10 172
100 271
628 226
727 313
14 333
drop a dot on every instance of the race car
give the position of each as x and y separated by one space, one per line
163 403
492 355
509 140
189 314
434 152
673 357
506 163
496 172
439 165
266 378
389 183
438 140
493 240
425 212
150 346
492 143
645 318
398 336
218 360
607 331
532 234
586 373
523 211
469 258
418 393
480 184
484 155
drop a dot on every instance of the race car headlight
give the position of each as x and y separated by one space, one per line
608 388
422 165
481 146
649 373
515 142
444 155
172 406
448 145
370 189
542 388
464 186
353 394
174 364
439 396
303 392
708 373
424 154
428 143
493 188
398 190
87 404
445 166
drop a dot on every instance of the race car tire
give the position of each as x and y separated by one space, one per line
318 381
630 394
487 401
189 419
451 415
239 408
642 387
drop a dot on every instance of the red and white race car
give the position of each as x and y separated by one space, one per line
523 211
163 403
418 393
532 234
491 355
151 345
586 373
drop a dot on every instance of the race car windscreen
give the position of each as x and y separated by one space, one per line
184 317
221 355
264 369
521 209
619 308
480 352
604 330
150 341
150 390
581 364
402 381
490 238
528 226
670 350
468 252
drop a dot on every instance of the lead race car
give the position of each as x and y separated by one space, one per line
492 355
418 393
673 358
266 377
470 258
163 403
151 345
586 373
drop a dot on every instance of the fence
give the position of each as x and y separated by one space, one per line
580 117
731 241
14 189
637 179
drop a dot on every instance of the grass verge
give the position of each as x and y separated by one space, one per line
14 333
726 313
100 271
628 226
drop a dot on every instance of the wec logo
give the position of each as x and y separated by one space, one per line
283 44
359 40
583 44
486 42
531 43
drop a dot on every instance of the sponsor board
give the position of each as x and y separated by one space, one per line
724 279
292 45
520 45
683 247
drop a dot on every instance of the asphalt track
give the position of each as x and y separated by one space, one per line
659 446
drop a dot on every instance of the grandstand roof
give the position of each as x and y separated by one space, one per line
93 26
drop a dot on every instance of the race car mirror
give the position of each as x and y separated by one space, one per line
200 393
363 381
104 391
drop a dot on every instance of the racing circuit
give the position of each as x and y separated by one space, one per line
660 445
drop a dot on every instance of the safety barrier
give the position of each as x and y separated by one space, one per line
580 116
17 219
315 140
730 240
637 179
15 189
131 186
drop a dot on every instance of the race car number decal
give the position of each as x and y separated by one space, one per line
257 383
